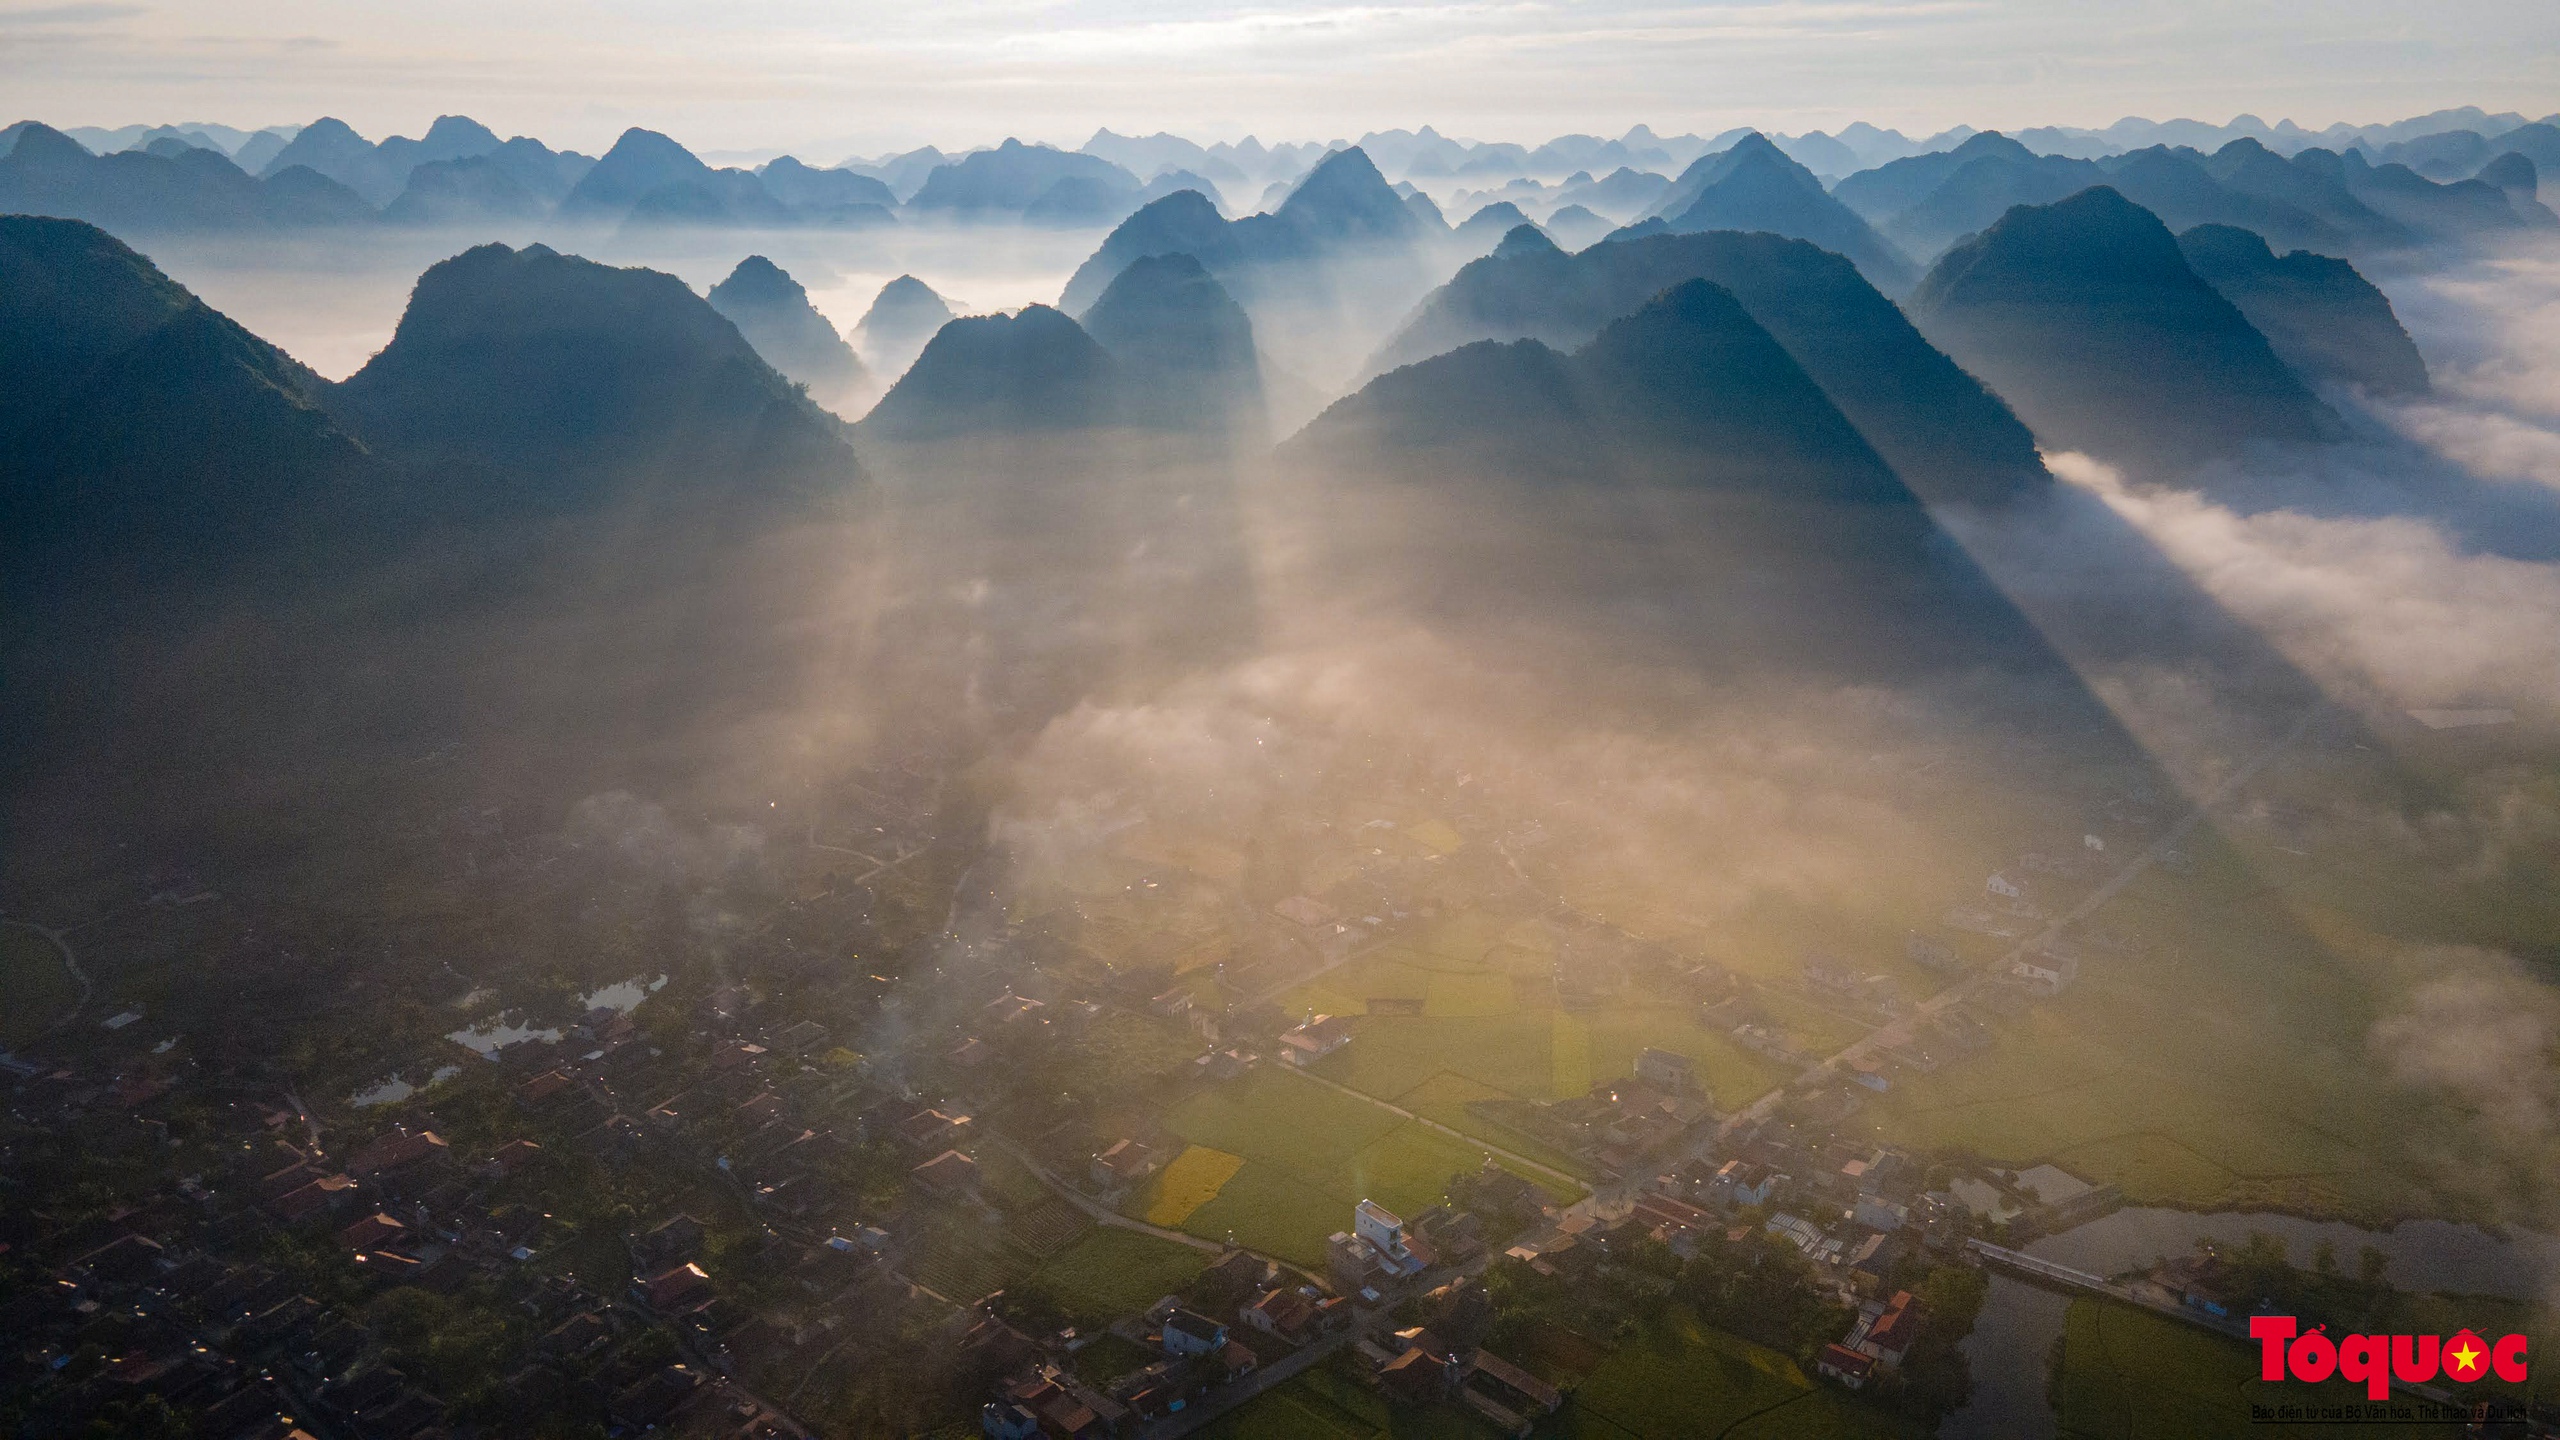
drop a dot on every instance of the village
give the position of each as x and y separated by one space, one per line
689 1211
1366 1114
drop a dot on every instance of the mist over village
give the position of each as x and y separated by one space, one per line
1720 720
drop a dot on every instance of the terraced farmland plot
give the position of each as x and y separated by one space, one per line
963 1260
1047 1228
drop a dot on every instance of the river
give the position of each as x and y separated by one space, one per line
2019 1321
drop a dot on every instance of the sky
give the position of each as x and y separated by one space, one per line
768 75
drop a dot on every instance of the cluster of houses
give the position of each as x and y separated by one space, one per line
1831 981
1380 1250
1246 1312
1619 1125
231 1336
239 1343
1418 1366
1877 1341
1196 1354
2013 906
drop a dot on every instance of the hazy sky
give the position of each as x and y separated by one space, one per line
819 76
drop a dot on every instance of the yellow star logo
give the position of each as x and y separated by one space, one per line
2466 1359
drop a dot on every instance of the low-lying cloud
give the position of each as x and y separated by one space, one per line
2484 1030
2385 610
2491 333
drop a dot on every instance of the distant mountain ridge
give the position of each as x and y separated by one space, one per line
2403 184
1344 203
1013 178
46 172
2317 199
1755 186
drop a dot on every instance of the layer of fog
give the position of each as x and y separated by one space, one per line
2482 1031
2388 610
2490 330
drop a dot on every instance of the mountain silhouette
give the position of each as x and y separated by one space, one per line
1005 181
2516 174
1754 186
803 187
380 172
773 312
1172 181
1677 489
1080 200
1183 223
1342 206
1036 371
2311 183
1184 346
2086 316
2538 142
711 198
520 178
1487 227
329 146
139 423
1575 226
1623 191
575 380
2317 199
1889 189
2178 186
2322 317
640 162
1345 200
902 318
2460 213
138 193
1947 436
453 192
1998 178
1689 374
